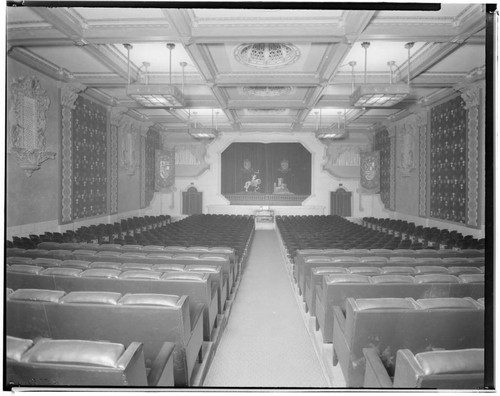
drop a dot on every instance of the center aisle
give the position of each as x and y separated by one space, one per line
265 343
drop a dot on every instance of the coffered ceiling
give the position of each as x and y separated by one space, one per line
302 69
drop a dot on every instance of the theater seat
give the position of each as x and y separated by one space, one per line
74 363
444 369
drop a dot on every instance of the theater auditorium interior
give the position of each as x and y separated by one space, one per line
248 198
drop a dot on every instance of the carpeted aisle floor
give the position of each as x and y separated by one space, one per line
265 343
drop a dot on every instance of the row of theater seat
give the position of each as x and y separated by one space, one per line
232 231
389 325
128 290
154 320
378 306
301 232
97 233
428 236
85 259
303 263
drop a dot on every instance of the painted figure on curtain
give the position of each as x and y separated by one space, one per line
283 178
250 177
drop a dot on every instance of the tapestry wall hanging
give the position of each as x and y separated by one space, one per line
448 161
89 159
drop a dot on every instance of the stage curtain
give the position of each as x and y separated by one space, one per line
286 166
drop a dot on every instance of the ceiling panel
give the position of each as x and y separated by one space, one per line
246 16
21 15
158 55
447 11
106 14
464 59
74 59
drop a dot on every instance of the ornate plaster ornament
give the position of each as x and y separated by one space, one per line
129 129
408 147
27 122
266 55
267 91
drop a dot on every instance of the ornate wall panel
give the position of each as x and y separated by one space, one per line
69 94
383 144
370 171
152 144
422 174
392 174
448 161
89 157
27 121
113 174
116 115
165 161
472 98
143 172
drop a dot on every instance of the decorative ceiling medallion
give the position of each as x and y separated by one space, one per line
266 55
267 111
267 91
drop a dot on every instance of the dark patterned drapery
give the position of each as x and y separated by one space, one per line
89 159
448 161
382 143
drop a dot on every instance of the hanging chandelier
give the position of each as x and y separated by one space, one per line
380 95
155 95
334 131
198 131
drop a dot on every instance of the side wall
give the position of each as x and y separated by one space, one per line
410 154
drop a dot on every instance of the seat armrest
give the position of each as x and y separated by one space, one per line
162 373
407 370
376 375
338 316
132 361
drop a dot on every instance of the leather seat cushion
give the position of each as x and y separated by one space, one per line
379 279
446 303
92 353
150 299
436 278
329 270
366 304
346 278
100 273
472 278
37 295
25 268
183 276
451 362
90 297
16 347
61 271
140 274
